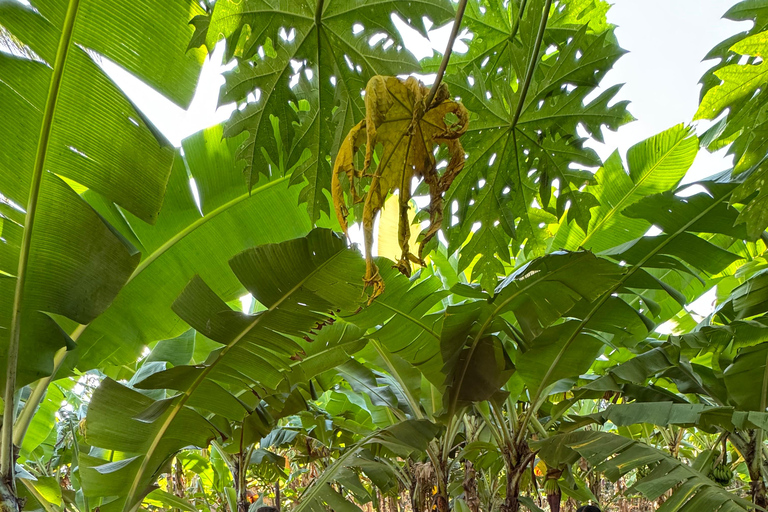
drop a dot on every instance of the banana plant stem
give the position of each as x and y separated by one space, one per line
7 461
30 407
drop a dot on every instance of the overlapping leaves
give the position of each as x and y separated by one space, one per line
527 94
337 46
68 121
736 84
300 283
615 456
187 239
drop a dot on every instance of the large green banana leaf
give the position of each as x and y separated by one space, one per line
408 436
301 283
735 340
66 124
655 165
680 247
536 296
617 310
702 416
185 242
407 319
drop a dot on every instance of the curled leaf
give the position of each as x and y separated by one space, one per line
407 130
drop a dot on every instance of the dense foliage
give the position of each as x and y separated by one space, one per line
520 365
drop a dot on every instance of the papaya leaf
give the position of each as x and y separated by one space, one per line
340 47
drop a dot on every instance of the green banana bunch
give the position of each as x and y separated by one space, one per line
551 487
643 471
722 474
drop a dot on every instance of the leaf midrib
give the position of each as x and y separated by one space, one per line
620 205
189 229
609 293
62 52
198 223
492 316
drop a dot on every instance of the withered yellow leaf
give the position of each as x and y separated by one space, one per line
405 131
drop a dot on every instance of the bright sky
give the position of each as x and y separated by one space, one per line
667 40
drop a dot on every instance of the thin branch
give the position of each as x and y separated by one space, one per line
532 62
516 26
448 50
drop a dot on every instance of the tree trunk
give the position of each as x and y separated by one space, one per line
277 495
441 498
516 462
594 480
441 503
179 486
753 456
239 480
8 500
414 489
470 487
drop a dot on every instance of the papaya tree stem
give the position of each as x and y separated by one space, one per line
448 50
532 62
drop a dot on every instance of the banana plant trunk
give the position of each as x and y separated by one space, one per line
9 502
516 459
9 498
441 498
179 485
277 496
753 456
238 477
470 487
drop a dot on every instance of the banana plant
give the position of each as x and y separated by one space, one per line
62 263
399 370
656 386
733 337
518 329
616 455
259 345
546 350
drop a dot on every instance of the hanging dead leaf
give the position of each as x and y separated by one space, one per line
407 131
387 234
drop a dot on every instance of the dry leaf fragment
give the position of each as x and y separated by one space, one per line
397 120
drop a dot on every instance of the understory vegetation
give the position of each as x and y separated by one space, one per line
191 328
